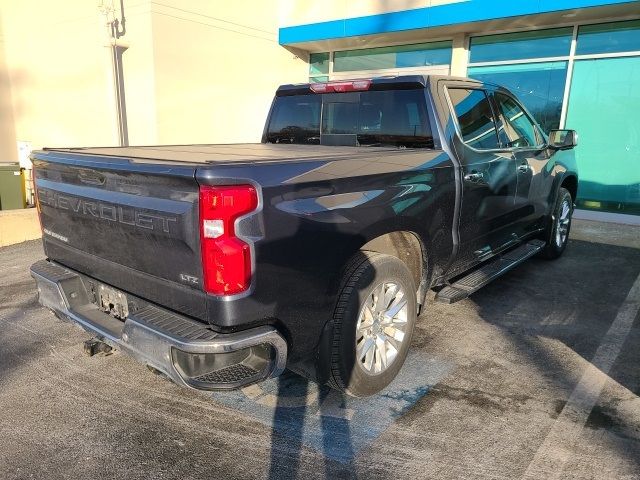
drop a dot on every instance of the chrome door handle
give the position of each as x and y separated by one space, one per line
474 177
524 168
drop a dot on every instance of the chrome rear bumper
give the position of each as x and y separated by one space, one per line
186 351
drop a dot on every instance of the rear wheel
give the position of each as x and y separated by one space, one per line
373 324
558 233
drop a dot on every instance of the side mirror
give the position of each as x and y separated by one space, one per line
563 139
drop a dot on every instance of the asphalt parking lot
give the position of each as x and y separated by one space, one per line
535 376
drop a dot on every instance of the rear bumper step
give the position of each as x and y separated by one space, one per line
184 350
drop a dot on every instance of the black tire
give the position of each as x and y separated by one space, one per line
557 243
365 272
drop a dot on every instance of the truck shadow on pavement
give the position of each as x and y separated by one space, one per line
573 300
303 414
570 300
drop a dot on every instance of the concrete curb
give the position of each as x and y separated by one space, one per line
597 216
18 226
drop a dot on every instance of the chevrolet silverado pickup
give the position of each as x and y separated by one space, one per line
221 265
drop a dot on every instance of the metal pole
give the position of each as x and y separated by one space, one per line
115 30
121 105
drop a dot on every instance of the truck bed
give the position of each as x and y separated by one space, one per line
248 153
128 216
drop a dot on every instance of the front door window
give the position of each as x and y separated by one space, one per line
517 126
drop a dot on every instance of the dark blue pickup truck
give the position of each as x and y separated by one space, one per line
220 265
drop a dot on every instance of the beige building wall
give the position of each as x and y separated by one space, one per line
216 69
8 147
302 12
195 71
460 55
139 74
56 62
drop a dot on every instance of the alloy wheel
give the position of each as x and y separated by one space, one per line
381 328
564 220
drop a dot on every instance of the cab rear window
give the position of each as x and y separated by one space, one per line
371 118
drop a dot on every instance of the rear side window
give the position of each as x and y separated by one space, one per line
475 117
371 118
519 128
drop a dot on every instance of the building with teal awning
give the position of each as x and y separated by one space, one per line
574 63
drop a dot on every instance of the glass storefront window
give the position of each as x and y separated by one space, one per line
401 56
539 86
609 38
603 107
319 64
555 42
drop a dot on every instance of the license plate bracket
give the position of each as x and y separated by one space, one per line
114 302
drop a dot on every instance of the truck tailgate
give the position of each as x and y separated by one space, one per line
134 225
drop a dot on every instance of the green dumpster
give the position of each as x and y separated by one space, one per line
11 187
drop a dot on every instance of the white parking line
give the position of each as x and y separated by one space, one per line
556 449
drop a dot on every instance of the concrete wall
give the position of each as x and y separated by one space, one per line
18 226
195 71
303 12
139 74
8 147
56 62
216 69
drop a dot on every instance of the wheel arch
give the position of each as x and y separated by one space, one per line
570 182
407 246
396 242
563 178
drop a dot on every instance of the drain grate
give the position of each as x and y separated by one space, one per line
230 374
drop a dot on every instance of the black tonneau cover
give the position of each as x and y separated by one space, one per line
229 153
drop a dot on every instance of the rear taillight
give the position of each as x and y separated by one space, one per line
340 87
226 259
